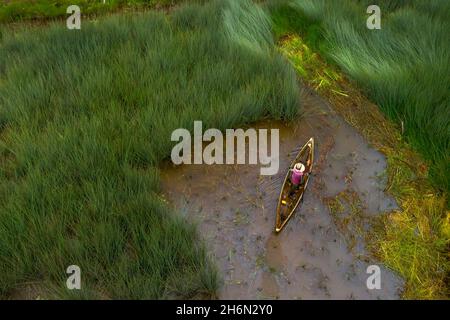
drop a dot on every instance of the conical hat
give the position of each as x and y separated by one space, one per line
299 166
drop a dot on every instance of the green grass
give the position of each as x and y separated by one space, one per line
86 118
404 67
19 10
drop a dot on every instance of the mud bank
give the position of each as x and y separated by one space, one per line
320 253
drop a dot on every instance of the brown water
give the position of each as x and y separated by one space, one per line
311 258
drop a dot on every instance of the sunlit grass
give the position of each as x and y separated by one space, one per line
415 239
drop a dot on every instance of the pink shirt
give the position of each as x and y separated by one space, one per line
296 176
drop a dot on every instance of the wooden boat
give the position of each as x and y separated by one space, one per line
289 198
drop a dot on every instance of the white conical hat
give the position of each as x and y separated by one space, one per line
299 166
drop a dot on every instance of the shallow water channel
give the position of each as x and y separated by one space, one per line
316 256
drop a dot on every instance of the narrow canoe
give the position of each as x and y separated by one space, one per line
289 199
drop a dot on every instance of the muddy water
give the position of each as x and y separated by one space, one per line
311 258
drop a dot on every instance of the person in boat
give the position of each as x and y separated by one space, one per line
298 176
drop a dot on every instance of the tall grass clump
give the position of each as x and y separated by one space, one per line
248 26
86 118
404 67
